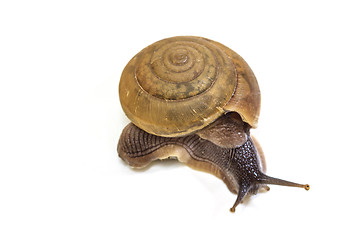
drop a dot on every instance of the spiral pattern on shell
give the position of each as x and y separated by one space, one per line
178 70
178 85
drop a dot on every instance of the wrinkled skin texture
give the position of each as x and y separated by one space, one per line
239 166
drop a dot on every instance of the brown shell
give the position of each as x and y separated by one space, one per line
179 85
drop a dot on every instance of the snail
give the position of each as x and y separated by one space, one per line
195 100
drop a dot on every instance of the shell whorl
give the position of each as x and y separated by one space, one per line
178 85
178 70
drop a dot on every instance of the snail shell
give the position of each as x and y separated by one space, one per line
180 85
195 100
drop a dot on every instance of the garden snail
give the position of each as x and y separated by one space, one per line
196 100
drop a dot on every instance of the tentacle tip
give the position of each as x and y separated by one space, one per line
232 209
307 187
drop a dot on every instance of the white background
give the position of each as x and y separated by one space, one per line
61 178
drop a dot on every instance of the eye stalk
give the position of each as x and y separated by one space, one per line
261 181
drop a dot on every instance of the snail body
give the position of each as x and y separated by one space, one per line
196 100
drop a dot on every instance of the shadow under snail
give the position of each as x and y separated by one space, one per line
195 100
